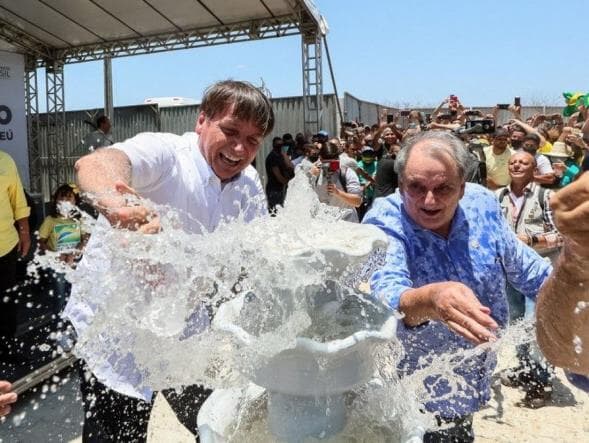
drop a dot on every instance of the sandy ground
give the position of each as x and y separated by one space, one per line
57 416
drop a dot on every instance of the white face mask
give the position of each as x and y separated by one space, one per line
66 208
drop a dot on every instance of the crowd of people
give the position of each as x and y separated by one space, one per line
475 214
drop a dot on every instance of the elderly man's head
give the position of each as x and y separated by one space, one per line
522 165
432 167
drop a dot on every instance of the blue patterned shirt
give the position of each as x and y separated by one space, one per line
482 252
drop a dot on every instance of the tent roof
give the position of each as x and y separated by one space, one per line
90 29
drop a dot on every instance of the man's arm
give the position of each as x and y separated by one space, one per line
562 324
529 129
105 176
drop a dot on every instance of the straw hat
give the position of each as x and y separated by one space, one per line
560 150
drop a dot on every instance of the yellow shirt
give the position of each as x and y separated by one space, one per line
62 234
13 203
546 147
498 165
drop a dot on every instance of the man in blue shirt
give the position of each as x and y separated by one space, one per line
446 267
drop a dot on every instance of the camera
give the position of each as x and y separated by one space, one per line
390 118
329 168
484 126
503 106
517 101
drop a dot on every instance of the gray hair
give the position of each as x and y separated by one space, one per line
440 142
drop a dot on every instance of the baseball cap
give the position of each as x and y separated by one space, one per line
367 149
323 133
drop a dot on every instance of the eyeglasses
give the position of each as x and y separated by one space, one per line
418 190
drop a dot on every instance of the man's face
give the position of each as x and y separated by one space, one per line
389 137
500 142
521 167
106 127
431 190
517 137
227 143
530 146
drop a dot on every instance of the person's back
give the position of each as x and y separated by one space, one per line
386 178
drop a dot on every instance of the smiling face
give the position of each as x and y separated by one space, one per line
227 143
431 189
521 168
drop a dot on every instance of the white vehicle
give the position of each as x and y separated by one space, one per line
163 102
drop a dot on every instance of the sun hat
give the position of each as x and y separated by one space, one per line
560 150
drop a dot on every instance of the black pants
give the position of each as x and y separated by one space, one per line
460 431
8 307
111 416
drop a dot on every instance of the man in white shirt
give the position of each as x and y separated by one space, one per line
207 178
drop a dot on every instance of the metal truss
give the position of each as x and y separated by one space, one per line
32 105
21 40
55 125
312 82
217 35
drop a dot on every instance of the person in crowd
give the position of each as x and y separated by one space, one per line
311 159
322 136
526 207
213 181
562 317
566 169
449 257
98 138
280 171
367 167
61 232
544 174
386 179
347 158
497 158
298 153
389 137
334 185
15 241
7 397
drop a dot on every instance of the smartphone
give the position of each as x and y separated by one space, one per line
405 113
517 101
390 118
503 106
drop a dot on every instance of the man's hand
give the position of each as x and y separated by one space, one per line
24 242
6 397
570 207
456 305
132 214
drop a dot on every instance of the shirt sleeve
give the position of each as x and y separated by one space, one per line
393 278
352 182
45 229
152 158
543 165
18 200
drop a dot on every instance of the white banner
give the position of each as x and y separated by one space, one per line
13 120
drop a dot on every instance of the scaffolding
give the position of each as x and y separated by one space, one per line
22 27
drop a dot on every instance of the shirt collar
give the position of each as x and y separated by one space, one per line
529 188
207 175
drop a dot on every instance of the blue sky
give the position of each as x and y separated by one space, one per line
391 52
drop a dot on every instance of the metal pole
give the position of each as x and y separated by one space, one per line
339 108
108 105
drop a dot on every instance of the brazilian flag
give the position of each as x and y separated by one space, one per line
573 101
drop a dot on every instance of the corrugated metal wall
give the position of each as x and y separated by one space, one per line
131 120
362 111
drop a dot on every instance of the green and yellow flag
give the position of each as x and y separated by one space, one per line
573 100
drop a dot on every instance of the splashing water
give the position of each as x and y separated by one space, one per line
151 298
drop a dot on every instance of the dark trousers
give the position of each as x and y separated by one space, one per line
111 416
8 307
459 431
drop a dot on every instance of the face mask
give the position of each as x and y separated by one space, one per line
313 158
516 143
367 160
65 208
